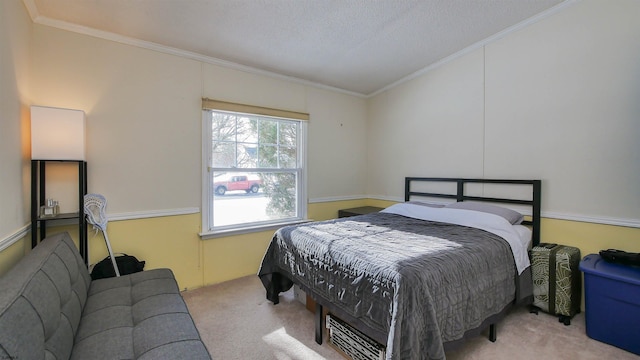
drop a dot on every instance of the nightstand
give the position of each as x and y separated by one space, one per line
358 211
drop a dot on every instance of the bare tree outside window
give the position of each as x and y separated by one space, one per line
255 168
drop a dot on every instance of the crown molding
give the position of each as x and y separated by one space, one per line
105 35
32 9
37 18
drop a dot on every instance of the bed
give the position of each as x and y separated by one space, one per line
421 276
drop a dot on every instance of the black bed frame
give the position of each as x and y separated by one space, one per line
460 195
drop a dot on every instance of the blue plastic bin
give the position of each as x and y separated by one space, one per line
612 302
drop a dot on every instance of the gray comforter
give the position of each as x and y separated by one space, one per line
423 283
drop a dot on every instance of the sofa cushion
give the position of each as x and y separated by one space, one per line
137 316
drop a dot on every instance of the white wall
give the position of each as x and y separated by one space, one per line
557 100
567 86
336 155
15 34
431 126
144 119
571 84
337 144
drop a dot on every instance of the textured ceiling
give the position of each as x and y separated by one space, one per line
360 46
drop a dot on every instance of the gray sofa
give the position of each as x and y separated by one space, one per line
50 309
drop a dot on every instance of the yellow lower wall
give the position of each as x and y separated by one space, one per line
237 256
588 237
164 242
173 242
11 255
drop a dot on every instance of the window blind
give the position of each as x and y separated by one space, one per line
210 104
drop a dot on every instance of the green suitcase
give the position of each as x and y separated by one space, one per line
557 283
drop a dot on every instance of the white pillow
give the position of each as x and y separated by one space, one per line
422 203
512 216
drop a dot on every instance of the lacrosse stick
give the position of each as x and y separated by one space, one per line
95 206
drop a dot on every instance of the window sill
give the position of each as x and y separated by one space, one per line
249 229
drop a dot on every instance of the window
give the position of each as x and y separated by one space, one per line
254 167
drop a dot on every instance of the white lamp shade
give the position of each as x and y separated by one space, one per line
57 134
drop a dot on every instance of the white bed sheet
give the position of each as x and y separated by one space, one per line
515 235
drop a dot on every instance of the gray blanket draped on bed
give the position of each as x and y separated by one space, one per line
423 283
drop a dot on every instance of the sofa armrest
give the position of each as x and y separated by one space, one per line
41 301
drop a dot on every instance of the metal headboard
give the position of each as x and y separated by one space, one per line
534 203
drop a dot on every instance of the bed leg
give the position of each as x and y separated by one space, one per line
319 323
492 333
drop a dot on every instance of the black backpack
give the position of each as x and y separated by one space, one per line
127 264
621 257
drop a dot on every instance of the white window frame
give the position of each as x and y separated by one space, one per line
207 225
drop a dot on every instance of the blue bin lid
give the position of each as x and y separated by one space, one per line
596 265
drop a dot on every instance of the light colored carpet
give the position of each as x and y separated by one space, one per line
237 322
